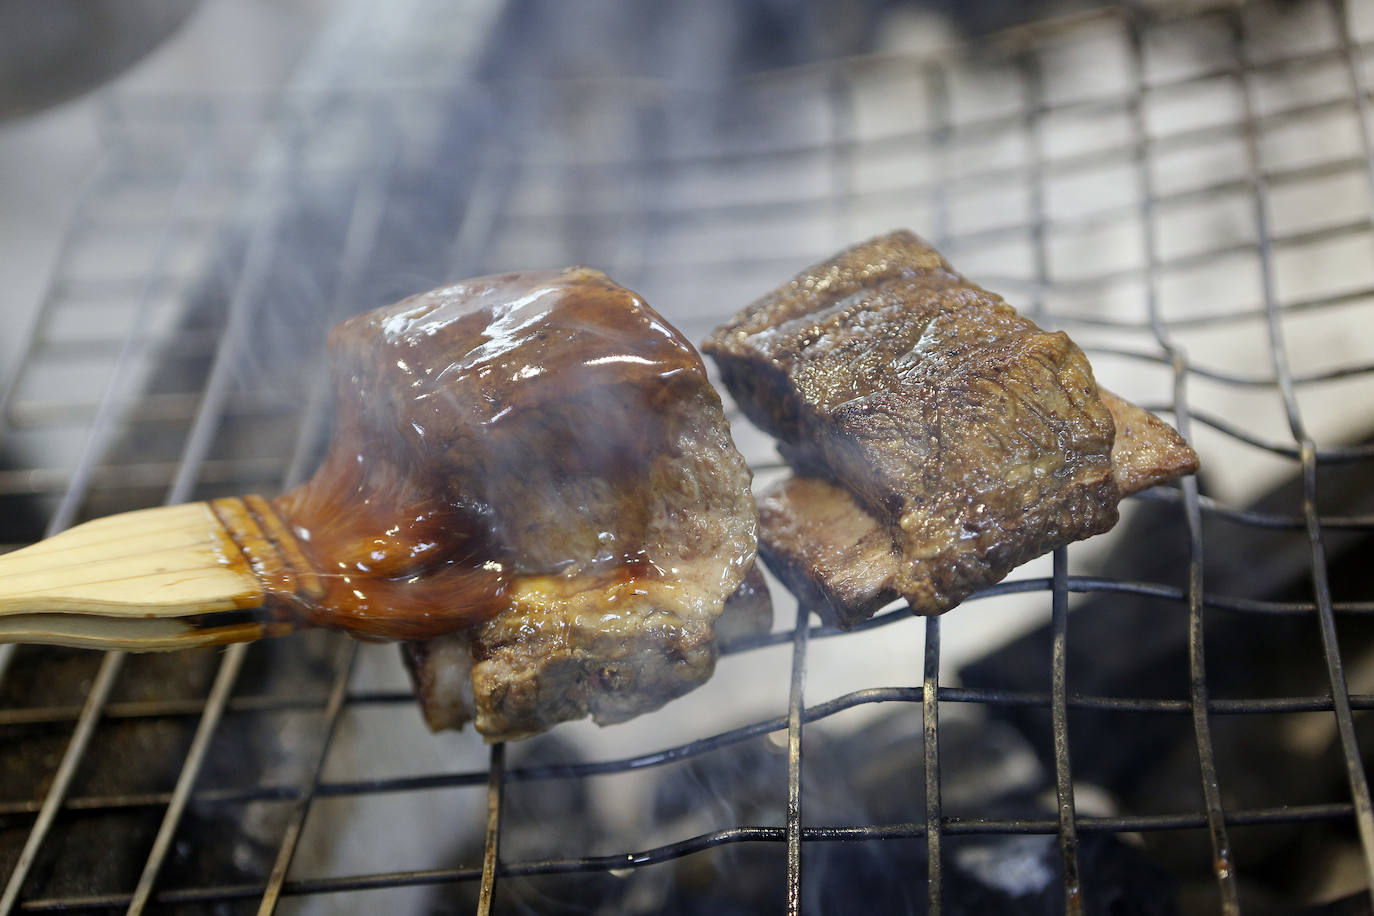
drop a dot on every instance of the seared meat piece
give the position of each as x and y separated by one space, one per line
840 559
967 440
531 473
1147 451
832 553
626 664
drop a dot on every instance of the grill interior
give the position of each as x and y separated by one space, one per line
1169 718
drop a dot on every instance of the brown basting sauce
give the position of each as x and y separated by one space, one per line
441 402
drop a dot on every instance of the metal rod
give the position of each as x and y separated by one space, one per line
982 696
113 661
1359 86
1261 519
150 709
1080 284
1034 105
930 718
942 131
901 831
1063 770
491 845
1232 378
119 288
1081 584
348 652
106 418
840 165
9 382
490 188
1340 689
173 105
1010 176
198 443
1222 865
942 117
216 391
62 779
96 439
794 760
1328 455
225 678
976 128
1278 352
237 335
360 239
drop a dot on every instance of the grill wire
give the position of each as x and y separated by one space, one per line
196 198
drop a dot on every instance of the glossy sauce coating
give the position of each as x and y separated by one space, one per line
461 414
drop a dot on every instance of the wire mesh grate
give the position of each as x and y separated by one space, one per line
1199 214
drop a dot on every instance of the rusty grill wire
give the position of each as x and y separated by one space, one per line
184 170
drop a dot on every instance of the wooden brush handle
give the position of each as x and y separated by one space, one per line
148 579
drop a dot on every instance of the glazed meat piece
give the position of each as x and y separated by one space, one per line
965 439
448 682
532 478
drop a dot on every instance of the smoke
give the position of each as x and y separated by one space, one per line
701 199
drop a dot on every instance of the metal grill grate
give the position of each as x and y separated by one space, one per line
1205 198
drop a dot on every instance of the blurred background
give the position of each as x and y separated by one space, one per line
191 193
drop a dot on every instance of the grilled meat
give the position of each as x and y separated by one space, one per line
531 476
1147 451
611 671
827 549
836 556
964 439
